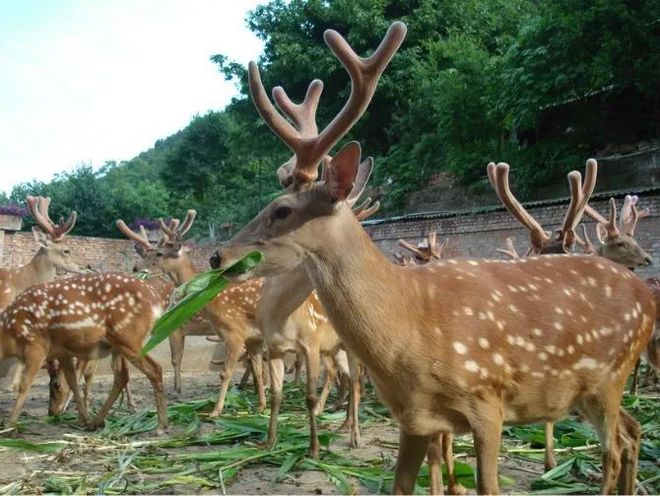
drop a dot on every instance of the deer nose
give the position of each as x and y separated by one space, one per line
215 260
135 268
648 260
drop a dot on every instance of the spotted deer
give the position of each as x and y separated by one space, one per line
617 241
231 314
477 358
197 326
84 317
54 253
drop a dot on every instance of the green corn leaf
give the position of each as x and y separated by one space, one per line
194 295
21 444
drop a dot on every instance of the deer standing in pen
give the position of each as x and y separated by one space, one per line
197 326
54 253
84 317
231 313
478 359
617 242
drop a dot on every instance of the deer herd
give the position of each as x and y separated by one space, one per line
451 345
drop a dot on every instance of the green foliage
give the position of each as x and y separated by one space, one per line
541 85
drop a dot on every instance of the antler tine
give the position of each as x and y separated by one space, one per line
366 212
303 115
510 249
432 239
580 194
364 75
129 233
34 204
499 177
168 230
609 224
187 222
412 248
630 216
174 223
59 230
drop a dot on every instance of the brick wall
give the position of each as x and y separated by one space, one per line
473 235
478 235
18 248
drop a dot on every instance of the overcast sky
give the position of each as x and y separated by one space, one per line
91 81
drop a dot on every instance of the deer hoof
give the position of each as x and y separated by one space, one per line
456 489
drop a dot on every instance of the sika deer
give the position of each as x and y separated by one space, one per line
619 248
85 317
231 313
478 359
197 326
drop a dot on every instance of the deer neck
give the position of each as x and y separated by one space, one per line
184 270
39 270
357 285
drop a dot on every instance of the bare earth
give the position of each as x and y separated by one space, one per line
378 441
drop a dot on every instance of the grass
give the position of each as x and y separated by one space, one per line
202 453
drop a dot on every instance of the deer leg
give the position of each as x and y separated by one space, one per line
130 404
18 375
88 372
433 457
71 377
312 363
328 381
177 343
549 461
255 358
276 369
412 450
487 432
154 373
120 379
246 375
631 438
453 487
352 422
233 348
633 384
603 412
34 358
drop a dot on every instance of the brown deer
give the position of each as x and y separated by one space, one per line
84 317
197 326
617 244
288 291
477 359
231 314
441 444
54 253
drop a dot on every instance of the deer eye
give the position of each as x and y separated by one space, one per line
282 212
159 254
66 252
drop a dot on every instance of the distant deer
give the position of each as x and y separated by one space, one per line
54 253
476 358
197 326
84 317
231 314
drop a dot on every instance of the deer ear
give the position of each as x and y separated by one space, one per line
40 236
140 249
342 171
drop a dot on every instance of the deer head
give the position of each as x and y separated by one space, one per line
51 236
616 240
315 199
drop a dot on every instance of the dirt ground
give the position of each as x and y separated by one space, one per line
378 441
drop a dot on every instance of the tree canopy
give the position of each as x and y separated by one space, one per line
542 85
